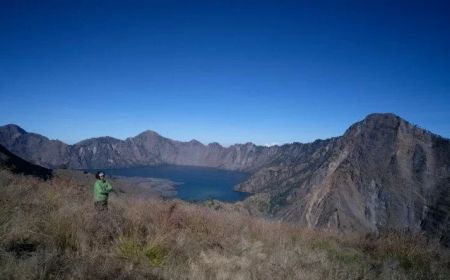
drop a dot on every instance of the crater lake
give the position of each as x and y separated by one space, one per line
193 183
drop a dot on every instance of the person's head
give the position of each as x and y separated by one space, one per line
100 175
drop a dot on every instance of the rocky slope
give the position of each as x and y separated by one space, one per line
33 147
17 165
383 172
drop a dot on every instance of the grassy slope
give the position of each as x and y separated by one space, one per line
49 229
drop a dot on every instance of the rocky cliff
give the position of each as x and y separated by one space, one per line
383 172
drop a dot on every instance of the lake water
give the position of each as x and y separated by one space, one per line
196 183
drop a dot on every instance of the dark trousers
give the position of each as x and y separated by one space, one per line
101 205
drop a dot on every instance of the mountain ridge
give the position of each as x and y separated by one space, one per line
382 172
143 147
150 148
22 131
16 165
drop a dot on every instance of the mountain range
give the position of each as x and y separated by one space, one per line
147 148
383 172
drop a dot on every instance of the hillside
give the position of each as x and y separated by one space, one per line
382 173
11 162
49 229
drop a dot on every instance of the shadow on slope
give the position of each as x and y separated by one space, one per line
17 165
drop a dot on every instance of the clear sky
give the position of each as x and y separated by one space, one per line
225 71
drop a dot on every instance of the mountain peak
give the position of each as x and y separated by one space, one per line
9 133
148 133
375 121
195 142
13 128
101 139
215 144
383 118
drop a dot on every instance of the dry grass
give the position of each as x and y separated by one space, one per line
50 230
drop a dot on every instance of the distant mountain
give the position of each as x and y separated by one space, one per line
17 165
147 148
383 172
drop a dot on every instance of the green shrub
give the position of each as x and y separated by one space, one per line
155 254
128 248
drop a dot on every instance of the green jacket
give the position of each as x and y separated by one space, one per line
101 190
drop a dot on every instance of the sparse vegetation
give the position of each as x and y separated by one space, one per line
50 229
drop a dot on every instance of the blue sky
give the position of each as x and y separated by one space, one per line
225 71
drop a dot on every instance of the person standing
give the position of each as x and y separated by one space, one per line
102 188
